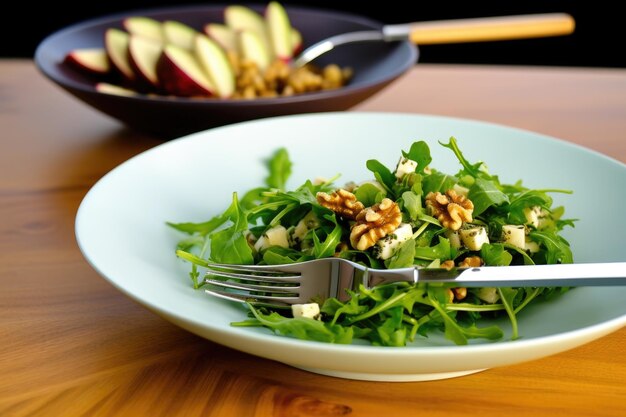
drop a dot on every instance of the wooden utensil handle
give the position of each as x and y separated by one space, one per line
484 29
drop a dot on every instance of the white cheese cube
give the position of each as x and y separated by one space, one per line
532 215
474 237
308 222
531 246
310 310
276 236
515 235
545 219
388 245
405 166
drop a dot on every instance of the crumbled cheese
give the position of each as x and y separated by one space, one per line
388 245
474 237
532 215
276 236
531 246
405 166
308 222
310 310
515 235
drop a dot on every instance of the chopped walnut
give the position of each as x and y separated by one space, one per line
374 223
449 264
471 262
450 208
459 293
341 202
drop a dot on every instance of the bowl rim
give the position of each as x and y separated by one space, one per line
45 66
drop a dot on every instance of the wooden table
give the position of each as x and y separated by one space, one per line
72 345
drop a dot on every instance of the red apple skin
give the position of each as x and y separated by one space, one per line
125 72
298 44
142 82
175 80
297 49
73 59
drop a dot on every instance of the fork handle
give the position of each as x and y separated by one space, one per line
482 29
555 275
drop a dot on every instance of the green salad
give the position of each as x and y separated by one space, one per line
410 214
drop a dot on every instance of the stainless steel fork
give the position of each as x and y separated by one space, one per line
298 283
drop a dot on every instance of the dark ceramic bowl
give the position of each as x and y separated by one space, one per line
375 65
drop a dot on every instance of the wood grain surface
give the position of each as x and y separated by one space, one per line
72 345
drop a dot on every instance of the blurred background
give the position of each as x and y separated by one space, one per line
598 24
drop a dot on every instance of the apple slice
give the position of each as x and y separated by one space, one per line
115 90
91 60
180 73
240 18
253 48
214 61
223 35
279 29
144 55
145 27
179 34
296 41
116 45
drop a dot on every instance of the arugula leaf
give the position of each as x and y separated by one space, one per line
507 295
453 331
327 248
437 181
202 229
369 194
484 194
441 250
301 327
420 153
280 170
391 332
557 248
403 258
276 255
494 254
252 198
413 204
475 170
229 245
382 174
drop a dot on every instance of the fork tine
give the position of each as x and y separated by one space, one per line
254 287
266 275
256 269
242 298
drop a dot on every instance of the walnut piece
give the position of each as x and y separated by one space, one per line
341 202
449 264
459 293
471 262
374 223
450 208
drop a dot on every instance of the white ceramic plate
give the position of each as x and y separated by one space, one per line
121 230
